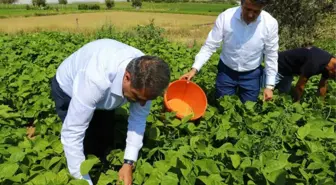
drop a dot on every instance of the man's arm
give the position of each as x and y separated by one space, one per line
82 105
212 43
299 88
136 128
322 90
271 54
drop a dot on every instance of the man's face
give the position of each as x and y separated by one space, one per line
250 11
132 94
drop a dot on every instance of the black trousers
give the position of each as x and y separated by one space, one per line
99 135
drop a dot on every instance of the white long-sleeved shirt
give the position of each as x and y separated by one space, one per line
243 44
92 77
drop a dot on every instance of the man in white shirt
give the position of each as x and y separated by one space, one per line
247 33
103 75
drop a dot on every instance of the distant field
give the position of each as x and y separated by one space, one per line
7 11
179 27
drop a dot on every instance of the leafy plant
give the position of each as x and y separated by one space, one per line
109 4
277 142
63 2
298 24
136 3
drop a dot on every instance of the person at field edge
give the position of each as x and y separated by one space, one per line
304 62
247 32
101 76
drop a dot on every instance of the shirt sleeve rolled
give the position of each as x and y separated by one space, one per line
136 128
271 54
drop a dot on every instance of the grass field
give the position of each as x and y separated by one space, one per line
179 27
181 8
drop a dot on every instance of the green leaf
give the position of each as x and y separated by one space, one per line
17 157
8 169
277 177
245 163
50 176
213 179
154 133
207 165
155 177
304 174
222 132
62 177
57 146
250 105
235 159
41 144
176 122
53 161
314 166
18 178
295 117
303 131
162 166
39 180
88 164
79 182
170 179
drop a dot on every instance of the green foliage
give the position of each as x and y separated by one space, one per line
7 1
62 1
136 3
109 4
277 142
88 7
39 3
297 24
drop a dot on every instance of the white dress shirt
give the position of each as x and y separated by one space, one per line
243 44
92 77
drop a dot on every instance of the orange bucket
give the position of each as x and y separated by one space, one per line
185 98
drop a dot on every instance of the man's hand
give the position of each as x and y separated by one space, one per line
188 76
268 94
322 89
125 174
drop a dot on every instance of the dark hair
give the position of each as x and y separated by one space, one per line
150 73
259 2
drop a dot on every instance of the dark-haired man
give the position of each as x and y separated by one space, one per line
247 33
103 75
304 62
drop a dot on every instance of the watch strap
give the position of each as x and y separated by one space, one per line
130 162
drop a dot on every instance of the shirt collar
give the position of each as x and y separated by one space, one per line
116 86
238 15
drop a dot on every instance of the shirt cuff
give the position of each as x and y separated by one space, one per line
270 80
197 66
131 153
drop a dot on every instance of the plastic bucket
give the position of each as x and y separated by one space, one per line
185 98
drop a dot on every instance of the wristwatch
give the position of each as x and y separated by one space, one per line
130 162
270 87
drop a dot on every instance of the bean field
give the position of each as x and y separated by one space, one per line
260 143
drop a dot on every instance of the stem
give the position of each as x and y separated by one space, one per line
329 113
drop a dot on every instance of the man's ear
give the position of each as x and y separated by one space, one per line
127 77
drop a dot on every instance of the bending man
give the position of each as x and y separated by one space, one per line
104 75
304 62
